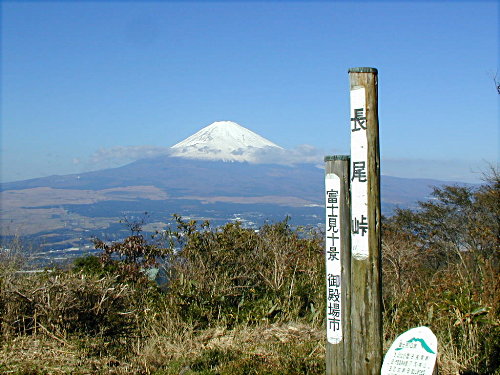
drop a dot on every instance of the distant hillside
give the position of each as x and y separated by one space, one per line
180 177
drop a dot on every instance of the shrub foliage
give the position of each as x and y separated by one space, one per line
232 275
441 269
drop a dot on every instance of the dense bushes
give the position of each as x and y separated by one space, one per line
63 303
233 275
441 269
217 277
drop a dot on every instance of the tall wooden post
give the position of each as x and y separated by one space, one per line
338 263
366 270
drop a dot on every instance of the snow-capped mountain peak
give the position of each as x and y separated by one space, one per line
223 140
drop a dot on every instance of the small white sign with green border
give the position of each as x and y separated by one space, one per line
412 353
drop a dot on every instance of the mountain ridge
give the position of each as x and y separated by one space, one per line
181 176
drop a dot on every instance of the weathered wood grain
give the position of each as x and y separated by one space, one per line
366 275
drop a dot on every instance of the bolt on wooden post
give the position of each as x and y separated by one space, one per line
366 267
338 265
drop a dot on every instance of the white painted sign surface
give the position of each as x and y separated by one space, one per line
333 260
414 352
359 175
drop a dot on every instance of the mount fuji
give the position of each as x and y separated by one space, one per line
221 173
225 141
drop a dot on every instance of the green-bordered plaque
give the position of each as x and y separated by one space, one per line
413 352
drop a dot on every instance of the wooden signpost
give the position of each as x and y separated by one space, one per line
366 266
338 264
353 251
356 347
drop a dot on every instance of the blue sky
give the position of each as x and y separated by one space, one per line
89 85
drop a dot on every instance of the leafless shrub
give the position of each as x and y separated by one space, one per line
58 304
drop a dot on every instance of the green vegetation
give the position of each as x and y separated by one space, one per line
441 269
240 301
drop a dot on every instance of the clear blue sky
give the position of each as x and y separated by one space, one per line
87 85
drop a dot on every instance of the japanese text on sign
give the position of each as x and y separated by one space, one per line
413 352
359 175
333 260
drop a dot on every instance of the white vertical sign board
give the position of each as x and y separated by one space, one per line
333 265
413 352
359 175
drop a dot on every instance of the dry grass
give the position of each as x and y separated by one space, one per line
458 302
43 354
267 349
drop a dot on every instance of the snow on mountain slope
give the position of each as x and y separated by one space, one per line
223 140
